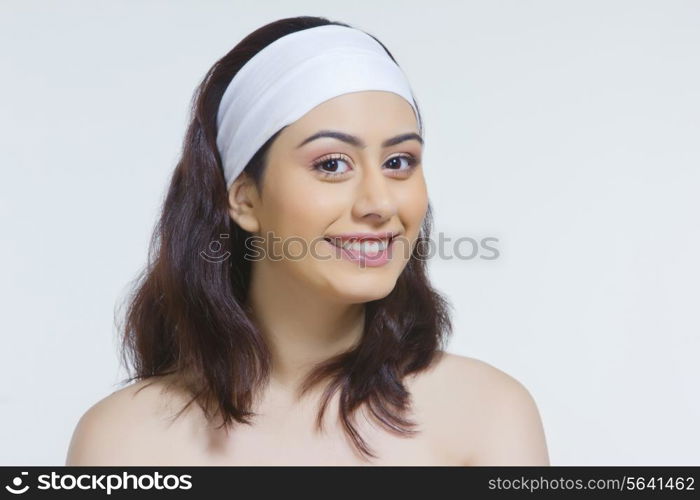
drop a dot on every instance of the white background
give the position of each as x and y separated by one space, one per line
568 130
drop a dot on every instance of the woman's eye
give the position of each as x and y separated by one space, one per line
394 163
331 166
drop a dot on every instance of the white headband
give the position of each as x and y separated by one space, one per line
292 75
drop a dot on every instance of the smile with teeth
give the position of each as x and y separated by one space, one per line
366 247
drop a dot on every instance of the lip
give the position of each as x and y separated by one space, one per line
367 260
363 236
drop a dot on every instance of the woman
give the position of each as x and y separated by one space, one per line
286 294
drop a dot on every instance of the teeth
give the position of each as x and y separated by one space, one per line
366 247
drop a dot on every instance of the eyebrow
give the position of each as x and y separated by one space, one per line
359 143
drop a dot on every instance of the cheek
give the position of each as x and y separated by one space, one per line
413 203
313 194
303 207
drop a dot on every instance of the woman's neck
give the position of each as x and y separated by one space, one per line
301 328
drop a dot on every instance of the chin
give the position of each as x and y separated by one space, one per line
362 290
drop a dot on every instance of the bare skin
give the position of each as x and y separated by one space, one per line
309 309
468 412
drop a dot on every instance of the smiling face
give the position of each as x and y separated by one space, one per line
316 186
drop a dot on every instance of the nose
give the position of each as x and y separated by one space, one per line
374 198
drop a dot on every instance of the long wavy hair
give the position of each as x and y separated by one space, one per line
187 315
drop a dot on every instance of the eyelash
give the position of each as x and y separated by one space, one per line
412 162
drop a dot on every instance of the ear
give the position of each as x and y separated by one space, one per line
242 196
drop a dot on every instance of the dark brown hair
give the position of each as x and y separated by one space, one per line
188 316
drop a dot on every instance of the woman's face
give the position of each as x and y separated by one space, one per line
314 189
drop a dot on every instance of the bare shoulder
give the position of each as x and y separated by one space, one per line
483 415
123 427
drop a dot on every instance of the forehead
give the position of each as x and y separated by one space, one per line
368 113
